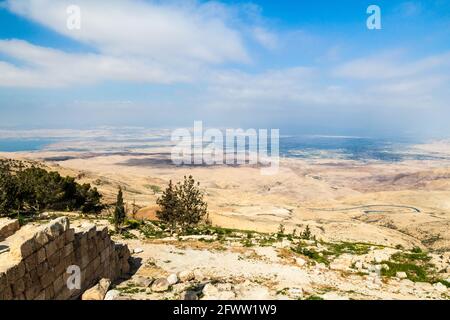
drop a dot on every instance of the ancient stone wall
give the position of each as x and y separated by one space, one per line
8 227
36 266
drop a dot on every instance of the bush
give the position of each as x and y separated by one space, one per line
182 205
33 189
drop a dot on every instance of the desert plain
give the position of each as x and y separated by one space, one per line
402 204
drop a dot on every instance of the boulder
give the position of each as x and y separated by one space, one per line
210 290
97 292
142 281
198 275
138 250
401 275
186 276
160 285
172 279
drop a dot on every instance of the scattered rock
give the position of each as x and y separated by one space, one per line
440 287
98 291
172 279
112 295
160 285
210 290
198 275
220 292
141 281
186 276
401 275
138 250
300 261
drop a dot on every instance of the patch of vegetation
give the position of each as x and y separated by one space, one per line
127 235
415 264
312 254
133 224
307 235
313 297
357 248
151 231
247 243
182 205
130 289
29 189
156 189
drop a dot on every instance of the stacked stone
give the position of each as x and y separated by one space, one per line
40 261
8 227
99 257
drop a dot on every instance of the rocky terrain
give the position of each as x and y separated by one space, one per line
226 264
378 230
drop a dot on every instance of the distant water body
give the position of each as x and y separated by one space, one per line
350 148
301 146
17 145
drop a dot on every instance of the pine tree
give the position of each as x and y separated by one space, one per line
119 211
182 205
168 204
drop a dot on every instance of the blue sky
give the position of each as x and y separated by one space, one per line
301 66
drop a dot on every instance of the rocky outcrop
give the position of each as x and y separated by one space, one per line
55 261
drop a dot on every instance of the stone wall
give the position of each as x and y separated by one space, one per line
36 266
8 227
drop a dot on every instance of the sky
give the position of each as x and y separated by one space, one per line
310 67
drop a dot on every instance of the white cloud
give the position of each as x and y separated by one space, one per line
139 41
389 66
164 31
265 38
46 67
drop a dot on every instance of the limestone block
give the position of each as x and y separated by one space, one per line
58 284
60 241
41 238
49 293
54 260
68 249
57 227
47 278
50 249
15 272
98 291
70 235
22 247
8 227
18 287
41 255
31 262
42 268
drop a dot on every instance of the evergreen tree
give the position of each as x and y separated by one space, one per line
182 205
168 204
119 211
33 189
